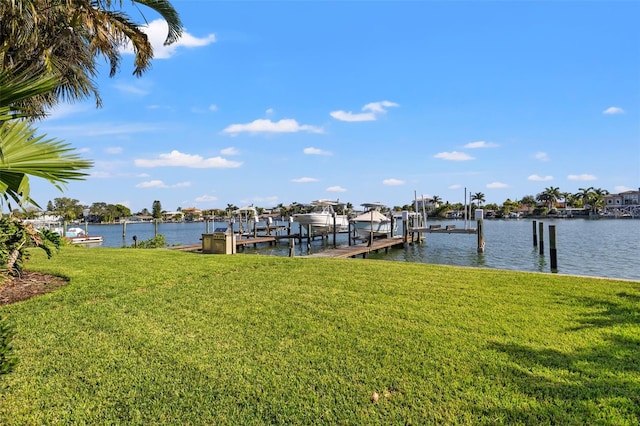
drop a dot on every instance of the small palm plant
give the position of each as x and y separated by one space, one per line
24 154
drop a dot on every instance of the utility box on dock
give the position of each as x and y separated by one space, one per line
479 214
219 243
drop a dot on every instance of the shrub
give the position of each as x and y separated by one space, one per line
16 236
158 241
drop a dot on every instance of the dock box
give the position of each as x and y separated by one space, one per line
219 243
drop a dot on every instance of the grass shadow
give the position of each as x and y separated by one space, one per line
598 384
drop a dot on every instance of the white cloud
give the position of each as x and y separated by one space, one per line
541 156
497 185
481 144
613 110
205 198
455 186
622 188
152 184
454 156
229 151
582 177
161 184
64 109
178 159
269 111
114 150
287 125
103 129
393 182
157 31
213 107
537 178
101 175
336 189
372 111
304 180
316 151
131 89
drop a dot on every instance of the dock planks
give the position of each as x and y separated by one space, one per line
360 249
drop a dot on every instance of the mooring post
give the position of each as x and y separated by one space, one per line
405 229
541 232
553 253
292 247
535 235
155 229
124 229
334 229
480 236
371 231
309 237
255 228
392 225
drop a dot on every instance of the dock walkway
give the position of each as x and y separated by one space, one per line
360 249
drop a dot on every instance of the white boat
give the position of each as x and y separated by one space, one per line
79 236
372 221
321 217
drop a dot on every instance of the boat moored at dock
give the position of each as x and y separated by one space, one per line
321 217
372 223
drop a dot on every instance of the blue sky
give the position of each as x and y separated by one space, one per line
274 102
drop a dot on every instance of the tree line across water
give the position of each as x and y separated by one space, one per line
547 201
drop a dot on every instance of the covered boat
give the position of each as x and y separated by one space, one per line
372 222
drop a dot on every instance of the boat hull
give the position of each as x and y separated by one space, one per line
379 229
321 222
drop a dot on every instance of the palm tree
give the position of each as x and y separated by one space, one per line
22 153
596 198
528 200
551 195
567 197
583 195
65 37
479 197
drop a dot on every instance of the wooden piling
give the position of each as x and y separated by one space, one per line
124 229
553 253
292 247
334 229
480 236
535 235
541 232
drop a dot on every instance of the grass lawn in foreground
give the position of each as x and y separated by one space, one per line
167 337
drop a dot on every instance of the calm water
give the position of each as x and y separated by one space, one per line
606 248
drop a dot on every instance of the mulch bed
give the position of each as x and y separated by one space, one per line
28 285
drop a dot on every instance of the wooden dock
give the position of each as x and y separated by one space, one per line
360 249
241 242
449 229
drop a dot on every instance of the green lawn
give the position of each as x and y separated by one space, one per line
166 337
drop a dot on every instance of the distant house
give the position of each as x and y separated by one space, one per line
426 203
192 214
623 199
172 216
141 218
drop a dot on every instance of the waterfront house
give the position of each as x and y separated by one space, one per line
627 198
